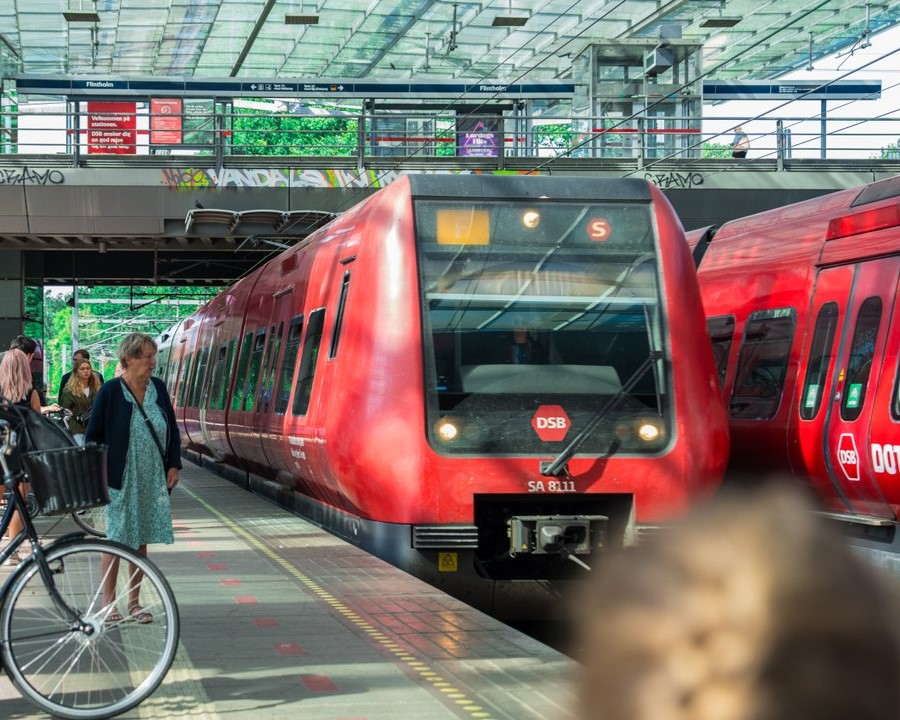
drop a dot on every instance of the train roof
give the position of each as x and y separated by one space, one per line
530 186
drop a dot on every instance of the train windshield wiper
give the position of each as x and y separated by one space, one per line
558 466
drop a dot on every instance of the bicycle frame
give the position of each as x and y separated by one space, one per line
12 481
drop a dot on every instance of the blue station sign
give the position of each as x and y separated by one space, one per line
293 88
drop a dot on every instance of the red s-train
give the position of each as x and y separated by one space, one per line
801 304
473 377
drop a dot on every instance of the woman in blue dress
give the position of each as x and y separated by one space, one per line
133 415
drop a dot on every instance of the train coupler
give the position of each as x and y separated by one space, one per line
556 534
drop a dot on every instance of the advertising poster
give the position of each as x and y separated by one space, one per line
478 136
199 121
111 128
165 121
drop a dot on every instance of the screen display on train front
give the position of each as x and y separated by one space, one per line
536 305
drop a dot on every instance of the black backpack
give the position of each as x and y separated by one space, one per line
33 432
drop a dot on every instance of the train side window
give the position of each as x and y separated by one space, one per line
762 364
186 367
264 368
259 344
308 361
237 396
721 333
222 391
283 388
339 316
821 350
162 361
862 350
212 400
266 389
199 376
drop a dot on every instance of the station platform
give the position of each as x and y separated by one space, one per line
280 619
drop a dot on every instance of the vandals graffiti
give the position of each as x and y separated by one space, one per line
195 178
675 180
26 176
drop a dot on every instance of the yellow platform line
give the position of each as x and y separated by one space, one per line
458 697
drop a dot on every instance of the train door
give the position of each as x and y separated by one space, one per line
269 436
216 363
865 313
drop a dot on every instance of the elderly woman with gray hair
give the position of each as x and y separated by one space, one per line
133 415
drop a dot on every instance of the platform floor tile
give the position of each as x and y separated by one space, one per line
280 620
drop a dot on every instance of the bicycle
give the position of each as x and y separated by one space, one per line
60 643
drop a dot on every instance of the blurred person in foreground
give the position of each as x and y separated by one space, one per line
133 415
754 610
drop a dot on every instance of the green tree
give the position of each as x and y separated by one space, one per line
105 315
716 150
258 132
891 152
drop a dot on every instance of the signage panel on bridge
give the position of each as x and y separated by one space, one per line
111 128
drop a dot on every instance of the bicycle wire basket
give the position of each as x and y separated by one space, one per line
69 478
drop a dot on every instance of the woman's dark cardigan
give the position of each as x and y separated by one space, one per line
110 424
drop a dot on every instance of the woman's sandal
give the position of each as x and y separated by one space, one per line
113 616
139 615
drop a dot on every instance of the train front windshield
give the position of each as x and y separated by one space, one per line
536 316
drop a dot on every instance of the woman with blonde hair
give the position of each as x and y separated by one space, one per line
78 396
17 388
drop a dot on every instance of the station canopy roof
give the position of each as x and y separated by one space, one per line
507 40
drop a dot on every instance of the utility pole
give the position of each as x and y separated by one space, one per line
75 345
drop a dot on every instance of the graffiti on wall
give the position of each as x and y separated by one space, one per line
675 180
27 176
209 178
199 178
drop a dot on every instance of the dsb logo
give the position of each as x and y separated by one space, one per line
848 457
551 422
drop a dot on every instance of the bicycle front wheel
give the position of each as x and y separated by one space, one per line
92 520
95 666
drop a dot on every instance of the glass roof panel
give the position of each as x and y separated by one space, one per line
390 38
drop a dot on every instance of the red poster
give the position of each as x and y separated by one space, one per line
111 128
165 121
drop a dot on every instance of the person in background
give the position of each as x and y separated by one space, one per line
16 387
133 415
740 144
29 346
78 396
77 357
754 610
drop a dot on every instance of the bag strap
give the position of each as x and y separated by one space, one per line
147 420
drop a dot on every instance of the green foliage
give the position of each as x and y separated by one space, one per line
258 132
556 137
891 152
716 150
105 316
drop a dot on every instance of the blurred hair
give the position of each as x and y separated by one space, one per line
26 344
84 353
15 375
73 384
133 346
753 610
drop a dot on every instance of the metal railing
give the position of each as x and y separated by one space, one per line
369 139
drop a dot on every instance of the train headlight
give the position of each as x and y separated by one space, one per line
531 219
447 430
641 432
649 432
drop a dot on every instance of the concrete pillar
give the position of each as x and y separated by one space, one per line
11 296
